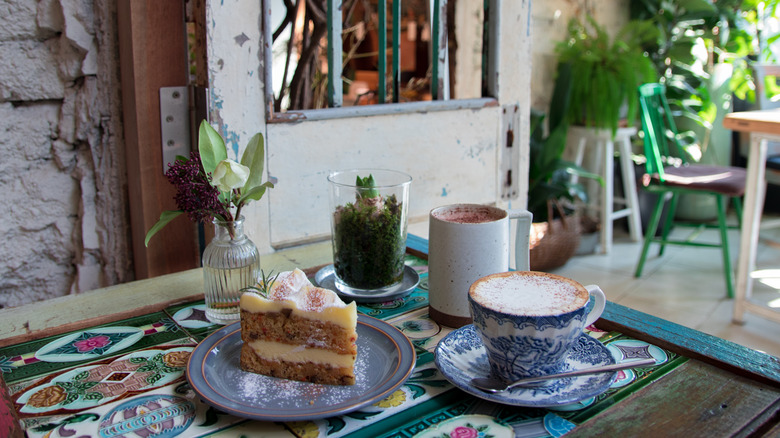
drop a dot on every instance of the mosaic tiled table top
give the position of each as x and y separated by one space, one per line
127 379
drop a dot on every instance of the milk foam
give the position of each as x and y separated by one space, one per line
534 294
469 214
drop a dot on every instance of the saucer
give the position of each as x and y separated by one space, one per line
461 356
384 361
326 277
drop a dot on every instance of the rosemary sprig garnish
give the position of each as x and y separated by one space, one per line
264 287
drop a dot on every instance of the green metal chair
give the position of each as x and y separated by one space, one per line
669 176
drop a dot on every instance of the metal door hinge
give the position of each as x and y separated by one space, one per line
509 158
181 110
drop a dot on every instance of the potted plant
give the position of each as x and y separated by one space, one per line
555 232
598 76
368 220
604 72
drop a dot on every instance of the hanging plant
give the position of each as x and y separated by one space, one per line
605 72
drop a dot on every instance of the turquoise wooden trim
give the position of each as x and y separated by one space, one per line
382 66
692 343
396 50
485 46
334 53
435 47
417 243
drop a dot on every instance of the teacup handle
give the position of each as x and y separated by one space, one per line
522 240
599 302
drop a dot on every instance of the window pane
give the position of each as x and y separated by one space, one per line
300 66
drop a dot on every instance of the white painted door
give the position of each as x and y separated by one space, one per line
455 150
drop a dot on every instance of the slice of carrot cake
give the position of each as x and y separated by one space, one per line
299 332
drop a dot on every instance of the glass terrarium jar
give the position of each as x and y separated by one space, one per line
369 212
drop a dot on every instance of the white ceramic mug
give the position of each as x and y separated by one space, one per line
467 242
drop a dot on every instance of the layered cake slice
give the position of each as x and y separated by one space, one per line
299 332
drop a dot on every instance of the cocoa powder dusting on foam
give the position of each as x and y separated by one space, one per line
534 295
467 215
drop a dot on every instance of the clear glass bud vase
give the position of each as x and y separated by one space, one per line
230 263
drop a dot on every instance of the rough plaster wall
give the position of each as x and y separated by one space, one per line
549 21
61 177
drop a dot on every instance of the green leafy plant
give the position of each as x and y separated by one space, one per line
366 187
209 185
369 243
549 175
692 37
605 72
596 79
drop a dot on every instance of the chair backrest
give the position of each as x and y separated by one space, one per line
659 128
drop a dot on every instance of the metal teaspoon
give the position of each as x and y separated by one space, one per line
492 385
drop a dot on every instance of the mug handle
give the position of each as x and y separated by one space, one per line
523 239
599 302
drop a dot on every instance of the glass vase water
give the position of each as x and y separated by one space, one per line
231 262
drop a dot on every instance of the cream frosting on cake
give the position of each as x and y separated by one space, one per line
299 331
293 290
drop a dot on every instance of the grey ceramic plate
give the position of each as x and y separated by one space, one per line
461 356
385 360
326 277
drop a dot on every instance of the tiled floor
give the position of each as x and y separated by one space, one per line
686 285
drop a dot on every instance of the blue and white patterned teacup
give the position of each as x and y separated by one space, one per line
528 321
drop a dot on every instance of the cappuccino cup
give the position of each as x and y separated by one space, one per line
528 321
467 242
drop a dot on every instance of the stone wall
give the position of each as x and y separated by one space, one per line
62 168
62 179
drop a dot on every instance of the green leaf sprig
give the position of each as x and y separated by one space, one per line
367 187
264 287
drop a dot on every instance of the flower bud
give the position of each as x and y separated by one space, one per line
229 175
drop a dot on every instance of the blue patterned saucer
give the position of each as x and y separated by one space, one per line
460 356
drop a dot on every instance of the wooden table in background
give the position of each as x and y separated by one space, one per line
763 126
709 386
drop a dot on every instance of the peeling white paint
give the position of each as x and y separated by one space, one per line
236 109
451 155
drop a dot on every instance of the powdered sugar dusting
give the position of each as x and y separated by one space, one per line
296 287
257 389
534 294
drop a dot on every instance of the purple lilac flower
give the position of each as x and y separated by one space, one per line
194 194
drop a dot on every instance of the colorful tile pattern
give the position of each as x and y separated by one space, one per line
127 379
54 353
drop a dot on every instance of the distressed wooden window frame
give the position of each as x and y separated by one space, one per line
441 104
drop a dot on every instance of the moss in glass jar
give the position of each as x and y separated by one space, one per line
369 245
